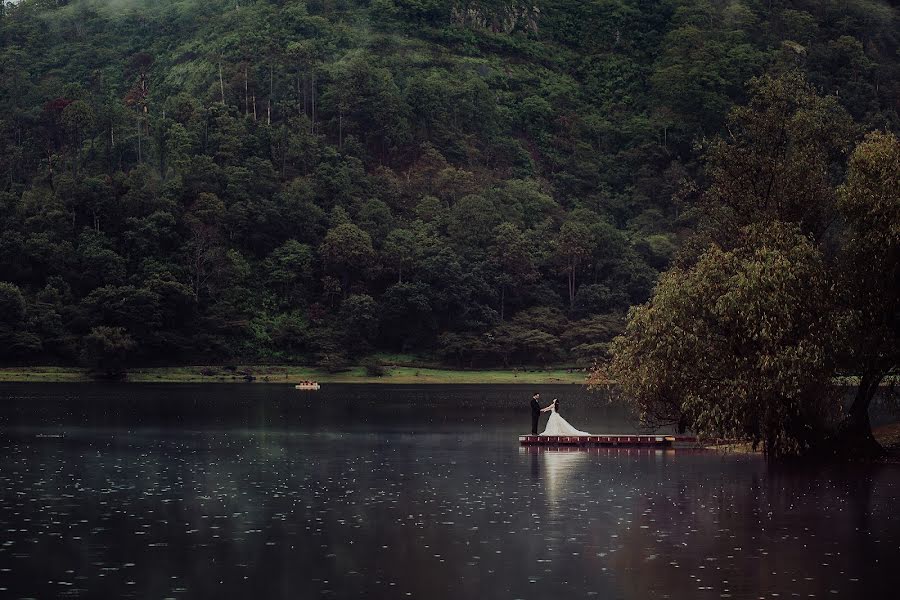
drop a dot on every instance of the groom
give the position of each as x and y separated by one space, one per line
535 413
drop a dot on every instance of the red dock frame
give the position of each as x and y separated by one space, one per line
626 440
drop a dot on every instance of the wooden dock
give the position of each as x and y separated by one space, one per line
630 440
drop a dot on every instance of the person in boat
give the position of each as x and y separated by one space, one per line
556 425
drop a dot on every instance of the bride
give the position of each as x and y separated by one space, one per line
556 425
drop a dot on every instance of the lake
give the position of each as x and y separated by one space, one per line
240 491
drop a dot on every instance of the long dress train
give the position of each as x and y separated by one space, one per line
556 425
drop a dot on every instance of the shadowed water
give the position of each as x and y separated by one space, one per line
239 491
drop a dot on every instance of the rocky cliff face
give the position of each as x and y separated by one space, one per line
503 17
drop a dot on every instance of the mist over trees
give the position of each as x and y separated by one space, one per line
484 183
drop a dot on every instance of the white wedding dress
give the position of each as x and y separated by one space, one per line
556 425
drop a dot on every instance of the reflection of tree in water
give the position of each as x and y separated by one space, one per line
783 531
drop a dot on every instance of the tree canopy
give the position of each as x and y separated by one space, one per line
213 181
790 280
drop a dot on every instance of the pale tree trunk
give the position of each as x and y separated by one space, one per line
269 105
221 84
305 106
312 98
139 139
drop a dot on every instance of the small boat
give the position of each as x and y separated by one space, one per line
307 385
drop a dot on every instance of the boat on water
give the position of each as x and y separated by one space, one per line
307 385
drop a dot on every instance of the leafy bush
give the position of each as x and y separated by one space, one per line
105 351
333 363
373 367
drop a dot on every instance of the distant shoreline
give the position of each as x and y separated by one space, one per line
289 374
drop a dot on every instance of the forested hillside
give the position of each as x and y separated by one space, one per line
486 182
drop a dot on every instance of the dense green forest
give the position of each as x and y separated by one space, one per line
483 182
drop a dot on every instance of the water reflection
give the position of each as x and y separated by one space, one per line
783 531
560 468
434 503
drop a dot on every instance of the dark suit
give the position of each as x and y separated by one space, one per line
535 415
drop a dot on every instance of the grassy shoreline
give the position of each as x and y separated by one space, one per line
292 374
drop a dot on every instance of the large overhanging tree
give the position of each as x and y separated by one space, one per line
869 272
736 345
789 281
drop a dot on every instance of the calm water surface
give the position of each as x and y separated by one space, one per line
260 491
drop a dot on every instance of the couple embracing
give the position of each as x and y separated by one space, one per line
556 425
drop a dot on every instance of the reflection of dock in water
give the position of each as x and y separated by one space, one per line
608 441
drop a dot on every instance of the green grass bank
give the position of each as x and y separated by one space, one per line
293 374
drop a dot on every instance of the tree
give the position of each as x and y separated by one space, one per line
12 317
375 218
591 113
365 100
736 346
778 161
105 351
78 118
204 257
347 251
400 250
869 271
471 223
290 269
573 249
406 317
358 322
596 299
588 340
511 254
374 367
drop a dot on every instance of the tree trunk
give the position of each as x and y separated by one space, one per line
855 432
868 385
682 424
312 98
221 84
305 107
572 285
139 139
